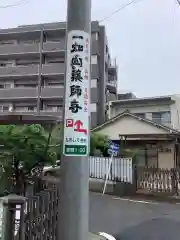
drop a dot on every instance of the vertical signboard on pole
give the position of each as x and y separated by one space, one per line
76 122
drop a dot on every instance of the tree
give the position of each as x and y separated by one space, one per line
98 142
22 150
26 145
32 146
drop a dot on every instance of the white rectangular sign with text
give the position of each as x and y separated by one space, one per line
77 101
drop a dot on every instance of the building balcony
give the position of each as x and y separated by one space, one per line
53 69
31 93
112 86
12 51
112 68
112 83
15 50
18 71
42 113
49 47
18 93
32 70
52 92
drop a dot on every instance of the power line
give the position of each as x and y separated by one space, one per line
16 4
122 7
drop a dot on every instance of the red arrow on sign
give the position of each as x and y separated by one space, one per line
79 128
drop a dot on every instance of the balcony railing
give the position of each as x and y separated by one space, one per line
112 83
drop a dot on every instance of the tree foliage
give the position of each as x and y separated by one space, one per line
31 145
98 142
26 145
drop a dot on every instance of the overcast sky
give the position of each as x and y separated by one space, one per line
144 37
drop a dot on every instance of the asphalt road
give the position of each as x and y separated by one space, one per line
134 220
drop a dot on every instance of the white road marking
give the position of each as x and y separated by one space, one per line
107 236
135 201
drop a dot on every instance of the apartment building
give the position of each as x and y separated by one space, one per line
32 67
163 110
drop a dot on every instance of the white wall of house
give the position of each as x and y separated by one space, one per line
175 112
149 109
127 125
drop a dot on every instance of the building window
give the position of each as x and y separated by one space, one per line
25 109
161 117
20 109
5 86
156 117
50 108
94 59
6 63
4 108
59 108
141 115
166 118
31 108
25 85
